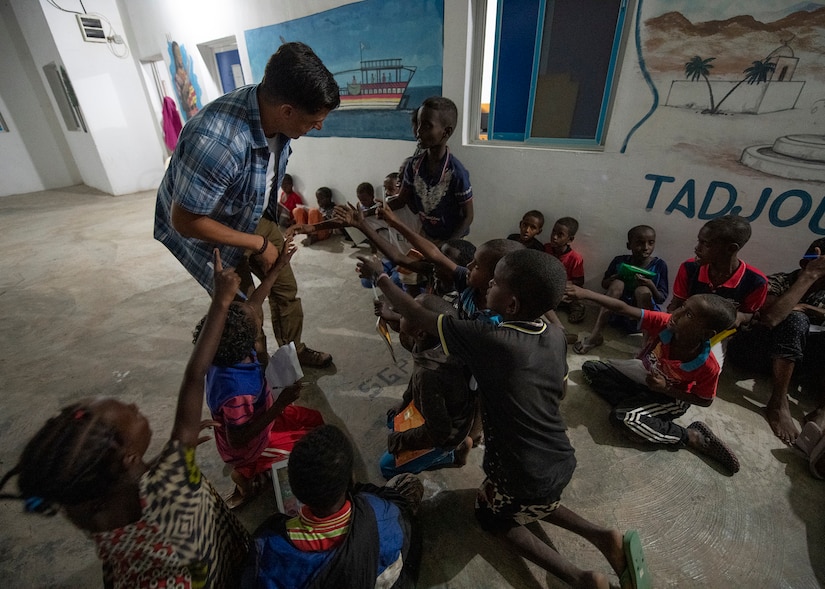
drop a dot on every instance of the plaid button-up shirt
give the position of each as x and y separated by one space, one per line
218 169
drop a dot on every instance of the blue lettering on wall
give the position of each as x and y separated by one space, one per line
786 209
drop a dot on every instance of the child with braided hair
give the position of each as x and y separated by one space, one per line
155 524
253 426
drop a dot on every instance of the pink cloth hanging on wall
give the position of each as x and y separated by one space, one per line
171 123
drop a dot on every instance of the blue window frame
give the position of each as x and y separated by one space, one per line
553 70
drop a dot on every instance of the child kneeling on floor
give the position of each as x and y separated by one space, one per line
439 392
521 369
345 534
252 430
88 463
674 370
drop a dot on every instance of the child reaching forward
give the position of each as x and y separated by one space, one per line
521 371
156 524
634 289
674 370
251 430
439 390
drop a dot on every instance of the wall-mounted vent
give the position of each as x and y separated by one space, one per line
91 28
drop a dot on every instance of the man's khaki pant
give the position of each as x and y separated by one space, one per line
284 304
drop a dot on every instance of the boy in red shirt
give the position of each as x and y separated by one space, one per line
674 370
564 232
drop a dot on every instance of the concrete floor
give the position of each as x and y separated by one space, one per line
92 305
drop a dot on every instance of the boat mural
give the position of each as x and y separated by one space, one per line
377 84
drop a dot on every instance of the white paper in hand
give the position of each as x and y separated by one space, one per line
284 369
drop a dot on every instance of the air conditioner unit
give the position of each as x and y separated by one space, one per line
91 28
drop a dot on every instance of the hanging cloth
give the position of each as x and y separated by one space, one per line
171 123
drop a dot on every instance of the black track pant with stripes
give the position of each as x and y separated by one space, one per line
637 409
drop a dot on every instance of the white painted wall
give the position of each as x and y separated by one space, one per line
33 154
121 152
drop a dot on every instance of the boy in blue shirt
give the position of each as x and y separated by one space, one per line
637 290
521 369
435 185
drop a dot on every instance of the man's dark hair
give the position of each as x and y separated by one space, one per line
536 279
295 75
571 224
446 109
320 467
730 229
237 338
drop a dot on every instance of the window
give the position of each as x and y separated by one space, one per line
549 69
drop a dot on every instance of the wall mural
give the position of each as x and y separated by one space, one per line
387 57
187 90
743 93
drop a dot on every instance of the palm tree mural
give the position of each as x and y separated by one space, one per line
700 68
755 74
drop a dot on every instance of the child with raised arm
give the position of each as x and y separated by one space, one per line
88 462
252 428
436 186
471 281
521 369
674 370
531 224
346 534
439 391
621 281
563 234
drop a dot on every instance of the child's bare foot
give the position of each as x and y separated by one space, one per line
462 451
592 579
779 418
611 545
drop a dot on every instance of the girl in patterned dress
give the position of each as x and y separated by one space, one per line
160 524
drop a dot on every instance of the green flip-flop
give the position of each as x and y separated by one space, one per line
636 575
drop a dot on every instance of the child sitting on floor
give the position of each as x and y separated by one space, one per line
716 268
531 225
313 216
521 371
345 535
638 290
564 232
251 430
439 391
288 199
88 462
674 370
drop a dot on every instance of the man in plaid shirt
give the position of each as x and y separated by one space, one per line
214 192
